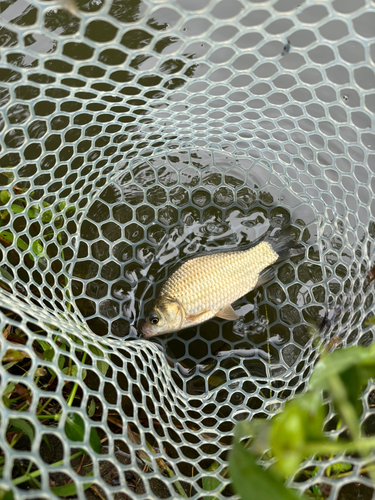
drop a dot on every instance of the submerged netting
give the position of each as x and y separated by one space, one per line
135 135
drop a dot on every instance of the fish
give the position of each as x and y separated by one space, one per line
206 286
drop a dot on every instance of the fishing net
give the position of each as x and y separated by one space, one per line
135 134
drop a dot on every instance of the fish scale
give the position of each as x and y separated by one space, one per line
214 281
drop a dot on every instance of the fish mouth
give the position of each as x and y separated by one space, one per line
147 332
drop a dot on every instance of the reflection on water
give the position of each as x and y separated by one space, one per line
169 209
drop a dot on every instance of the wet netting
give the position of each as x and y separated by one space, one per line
134 135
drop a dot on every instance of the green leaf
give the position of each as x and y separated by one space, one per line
37 247
44 345
96 350
9 388
338 468
251 482
95 443
23 426
52 373
287 433
58 223
210 483
14 356
48 354
6 274
287 438
46 440
259 428
70 211
69 489
91 408
74 427
4 196
47 216
371 321
9 236
6 401
6 495
64 345
16 209
21 244
317 493
33 212
344 373
300 423
65 491
3 215
336 363
354 379
61 361
102 367
72 369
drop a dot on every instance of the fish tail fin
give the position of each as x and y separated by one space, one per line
283 242
265 276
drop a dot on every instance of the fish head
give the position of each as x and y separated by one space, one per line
167 315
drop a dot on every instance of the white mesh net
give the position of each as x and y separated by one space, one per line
135 134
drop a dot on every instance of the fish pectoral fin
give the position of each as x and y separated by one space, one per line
198 316
227 312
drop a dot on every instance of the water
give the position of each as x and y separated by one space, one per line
160 212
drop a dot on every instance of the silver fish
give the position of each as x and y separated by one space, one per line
204 287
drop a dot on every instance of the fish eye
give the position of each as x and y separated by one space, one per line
154 320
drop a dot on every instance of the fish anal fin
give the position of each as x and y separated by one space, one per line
265 276
227 312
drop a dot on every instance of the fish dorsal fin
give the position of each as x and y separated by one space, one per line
227 312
